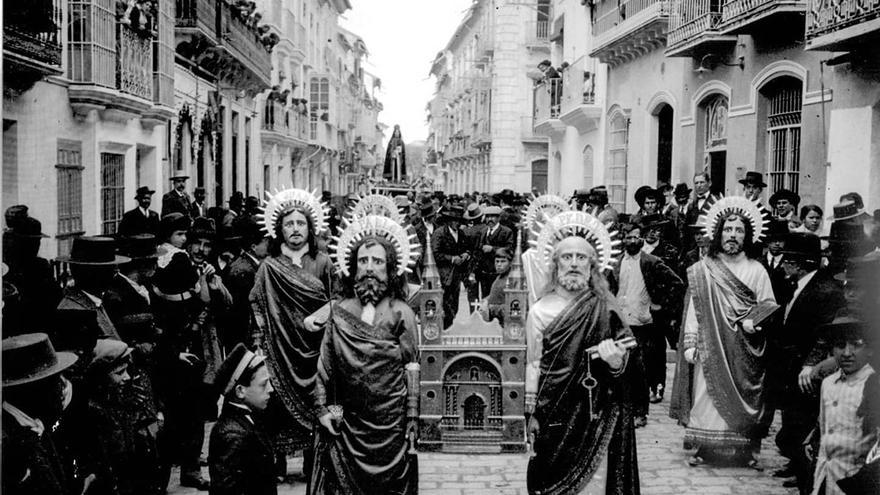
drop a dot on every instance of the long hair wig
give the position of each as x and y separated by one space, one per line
278 240
717 246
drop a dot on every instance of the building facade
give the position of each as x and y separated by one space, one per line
479 133
102 97
681 88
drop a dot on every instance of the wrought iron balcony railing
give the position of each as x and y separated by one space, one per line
32 33
743 16
547 100
624 29
694 23
842 25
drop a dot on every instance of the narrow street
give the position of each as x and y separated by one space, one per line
662 464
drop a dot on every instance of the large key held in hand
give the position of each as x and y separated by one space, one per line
627 343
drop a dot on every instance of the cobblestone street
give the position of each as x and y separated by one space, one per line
662 464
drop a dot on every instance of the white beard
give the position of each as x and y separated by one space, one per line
573 282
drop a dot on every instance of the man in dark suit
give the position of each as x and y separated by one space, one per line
490 239
127 301
177 200
240 280
796 354
141 219
702 199
648 293
452 253
774 258
198 208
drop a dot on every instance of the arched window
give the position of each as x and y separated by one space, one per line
588 166
615 172
784 100
715 140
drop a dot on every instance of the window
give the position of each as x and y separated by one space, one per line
615 174
112 191
784 101
588 167
69 169
92 36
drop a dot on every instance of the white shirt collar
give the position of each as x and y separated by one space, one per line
137 287
94 299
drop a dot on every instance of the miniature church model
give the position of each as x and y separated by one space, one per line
473 373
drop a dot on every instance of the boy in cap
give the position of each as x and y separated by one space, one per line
843 445
240 455
119 444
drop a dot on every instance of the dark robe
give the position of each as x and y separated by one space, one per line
389 172
571 444
283 295
362 369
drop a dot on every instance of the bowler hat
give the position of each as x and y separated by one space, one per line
753 179
143 191
503 253
454 212
28 227
139 246
803 245
681 189
31 357
789 195
776 230
473 212
427 210
14 214
94 251
845 210
582 192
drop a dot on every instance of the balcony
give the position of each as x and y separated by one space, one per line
629 29
482 132
843 26
284 124
759 16
111 74
695 29
578 107
31 41
547 98
223 43
485 47
538 35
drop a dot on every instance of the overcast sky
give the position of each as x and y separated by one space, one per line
403 37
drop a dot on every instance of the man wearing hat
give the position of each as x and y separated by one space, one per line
177 200
774 257
452 252
648 200
141 219
198 208
843 442
128 300
784 203
34 396
93 262
493 237
240 280
753 185
599 207
30 274
240 457
794 349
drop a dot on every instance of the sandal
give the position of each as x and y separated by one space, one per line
696 460
753 464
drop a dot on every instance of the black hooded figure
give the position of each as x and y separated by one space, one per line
396 151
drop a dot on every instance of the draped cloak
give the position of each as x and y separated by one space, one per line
283 295
362 369
721 399
571 445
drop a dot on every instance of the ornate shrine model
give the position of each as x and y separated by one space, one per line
473 373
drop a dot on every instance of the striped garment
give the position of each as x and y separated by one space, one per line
843 446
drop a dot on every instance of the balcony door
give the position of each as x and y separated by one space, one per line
715 140
539 175
665 118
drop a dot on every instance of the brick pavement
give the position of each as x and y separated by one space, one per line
662 465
